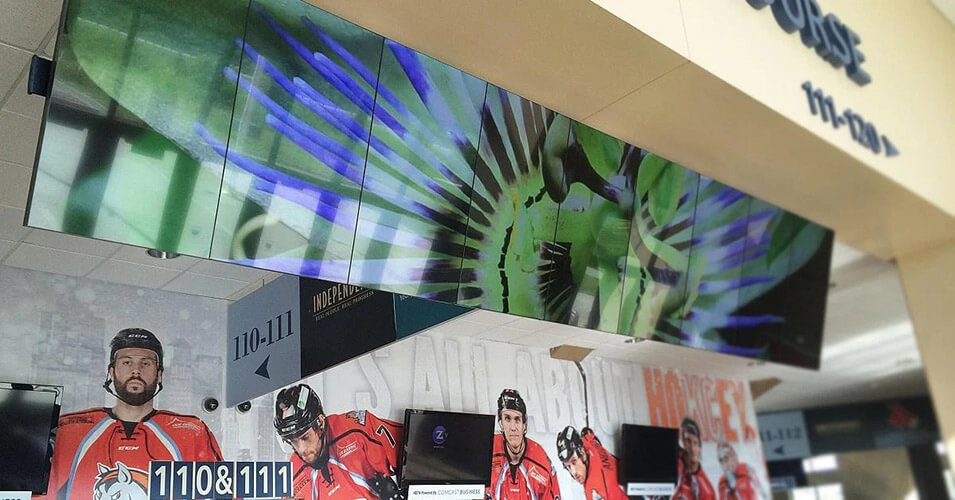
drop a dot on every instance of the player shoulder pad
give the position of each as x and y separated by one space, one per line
179 421
87 416
357 415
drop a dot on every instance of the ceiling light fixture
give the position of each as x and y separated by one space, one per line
161 254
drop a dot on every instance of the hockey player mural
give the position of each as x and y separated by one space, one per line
343 456
98 450
520 468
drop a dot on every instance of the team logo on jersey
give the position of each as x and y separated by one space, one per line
121 483
176 423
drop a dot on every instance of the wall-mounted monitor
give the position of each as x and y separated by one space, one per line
648 460
446 448
28 416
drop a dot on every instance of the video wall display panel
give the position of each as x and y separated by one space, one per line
305 144
415 210
120 159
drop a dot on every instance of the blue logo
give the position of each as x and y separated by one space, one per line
439 435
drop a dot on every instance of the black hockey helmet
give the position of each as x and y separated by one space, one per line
510 399
296 410
569 443
135 337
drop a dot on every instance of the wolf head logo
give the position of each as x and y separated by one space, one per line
121 483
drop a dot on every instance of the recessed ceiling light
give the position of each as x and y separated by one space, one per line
161 254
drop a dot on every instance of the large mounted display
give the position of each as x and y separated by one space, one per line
28 415
289 139
443 447
648 460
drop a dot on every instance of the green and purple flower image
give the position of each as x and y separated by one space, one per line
291 140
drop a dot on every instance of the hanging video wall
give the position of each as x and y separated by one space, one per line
275 135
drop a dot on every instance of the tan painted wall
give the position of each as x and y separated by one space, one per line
910 54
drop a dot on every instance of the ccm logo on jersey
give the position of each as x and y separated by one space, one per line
127 447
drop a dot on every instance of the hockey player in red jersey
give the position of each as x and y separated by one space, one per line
739 481
693 483
96 444
520 468
338 457
590 464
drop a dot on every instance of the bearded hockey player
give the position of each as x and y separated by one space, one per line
520 468
590 464
346 456
95 446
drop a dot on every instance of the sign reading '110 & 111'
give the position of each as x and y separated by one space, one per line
219 480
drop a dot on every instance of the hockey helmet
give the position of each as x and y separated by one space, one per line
135 337
510 399
296 409
569 443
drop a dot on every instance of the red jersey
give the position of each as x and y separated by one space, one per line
359 446
91 445
532 478
601 483
693 486
746 485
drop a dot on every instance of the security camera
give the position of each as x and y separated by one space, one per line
210 404
244 407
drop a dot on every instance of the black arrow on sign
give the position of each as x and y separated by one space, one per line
263 369
778 451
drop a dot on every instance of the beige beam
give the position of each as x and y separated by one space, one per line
928 278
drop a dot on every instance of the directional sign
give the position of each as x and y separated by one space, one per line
784 435
264 346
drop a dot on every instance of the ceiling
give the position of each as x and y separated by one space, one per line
869 353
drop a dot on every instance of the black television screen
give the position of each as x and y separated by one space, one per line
28 415
648 460
446 448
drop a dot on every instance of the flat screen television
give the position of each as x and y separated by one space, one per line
443 447
648 460
28 416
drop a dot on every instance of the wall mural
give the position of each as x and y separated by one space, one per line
288 139
433 370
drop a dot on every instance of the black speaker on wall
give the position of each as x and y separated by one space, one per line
39 80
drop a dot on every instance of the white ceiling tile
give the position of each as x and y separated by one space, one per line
502 334
128 273
6 247
50 45
51 260
529 324
137 255
25 23
11 224
20 102
490 318
12 63
18 138
207 286
71 243
227 270
538 339
462 327
14 185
